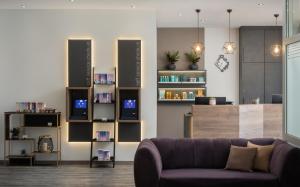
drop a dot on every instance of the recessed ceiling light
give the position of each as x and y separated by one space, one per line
132 6
72 1
179 14
23 6
260 4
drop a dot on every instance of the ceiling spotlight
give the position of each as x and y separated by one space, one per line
132 6
260 4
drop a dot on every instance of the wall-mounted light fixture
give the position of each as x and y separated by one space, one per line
276 48
198 47
229 47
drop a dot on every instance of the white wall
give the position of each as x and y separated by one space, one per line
221 83
33 62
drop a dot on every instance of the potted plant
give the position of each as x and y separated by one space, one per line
194 58
172 58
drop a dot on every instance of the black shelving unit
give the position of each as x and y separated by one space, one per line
32 120
108 121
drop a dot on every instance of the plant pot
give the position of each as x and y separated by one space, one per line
194 67
171 66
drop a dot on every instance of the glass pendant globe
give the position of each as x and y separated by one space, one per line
229 47
276 50
198 48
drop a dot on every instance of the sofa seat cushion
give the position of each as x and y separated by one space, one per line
216 178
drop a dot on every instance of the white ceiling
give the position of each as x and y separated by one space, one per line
174 13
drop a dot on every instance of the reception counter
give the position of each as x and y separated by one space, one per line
235 121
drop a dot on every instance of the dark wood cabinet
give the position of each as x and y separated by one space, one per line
252 81
129 63
260 71
273 80
252 45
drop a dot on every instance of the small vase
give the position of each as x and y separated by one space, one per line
194 67
171 66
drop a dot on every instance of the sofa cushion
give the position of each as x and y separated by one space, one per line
241 158
263 156
216 178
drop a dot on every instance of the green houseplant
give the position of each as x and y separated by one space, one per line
194 58
172 58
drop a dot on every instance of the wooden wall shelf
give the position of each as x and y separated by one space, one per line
37 120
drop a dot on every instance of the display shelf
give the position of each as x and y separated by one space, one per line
47 152
39 126
176 100
99 87
95 159
77 114
111 140
98 103
25 139
34 113
180 88
104 121
129 121
16 159
184 82
182 71
105 84
33 120
19 156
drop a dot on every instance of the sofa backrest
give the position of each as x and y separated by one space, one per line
199 153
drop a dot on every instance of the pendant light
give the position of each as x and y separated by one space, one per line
198 47
229 46
276 48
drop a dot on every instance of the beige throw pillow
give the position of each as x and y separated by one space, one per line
263 155
241 158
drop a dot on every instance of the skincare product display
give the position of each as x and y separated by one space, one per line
30 107
102 135
103 78
105 97
103 155
180 94
181 79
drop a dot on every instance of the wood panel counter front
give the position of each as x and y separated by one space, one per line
236 121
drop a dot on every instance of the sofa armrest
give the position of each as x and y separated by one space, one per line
285 164
147 165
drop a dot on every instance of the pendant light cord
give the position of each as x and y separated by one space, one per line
276 17
229 11
198 26
229 28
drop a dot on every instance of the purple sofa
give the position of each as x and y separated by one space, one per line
200 163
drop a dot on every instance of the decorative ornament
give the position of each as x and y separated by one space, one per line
222 63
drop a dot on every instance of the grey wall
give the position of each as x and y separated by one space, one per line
181 39
170 117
